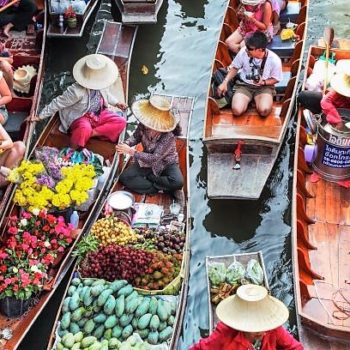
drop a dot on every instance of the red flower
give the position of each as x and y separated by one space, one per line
3 268
12 230
3 255
46 228
26 215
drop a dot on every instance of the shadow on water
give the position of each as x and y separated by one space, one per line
178 52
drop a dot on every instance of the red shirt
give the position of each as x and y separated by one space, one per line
330 102
227 338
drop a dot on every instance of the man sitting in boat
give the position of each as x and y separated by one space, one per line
337 97
251 319
83 107
259 70
5 98
17 16
156 167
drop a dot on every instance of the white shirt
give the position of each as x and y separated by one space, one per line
272 69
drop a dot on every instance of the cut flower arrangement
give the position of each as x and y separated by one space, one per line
32 243
38 190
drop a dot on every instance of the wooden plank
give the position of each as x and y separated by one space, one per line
247 182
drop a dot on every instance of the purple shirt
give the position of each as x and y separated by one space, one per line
157 153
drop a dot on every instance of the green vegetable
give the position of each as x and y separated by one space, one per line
254 272
87 341
98 332
153 305
235 272
111 321
117 331
127 331
154 324
153 338
127 290
89 326
65 320
217 273
78 337
68 340
144 321
104 296
120 306
165 334
143 307
86 245
118 284
109 305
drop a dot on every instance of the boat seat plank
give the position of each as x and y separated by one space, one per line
244 183
290 13
284 49
282 85
241 132
14 124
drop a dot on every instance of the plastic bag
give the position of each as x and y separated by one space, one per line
254 273
235 272
217 273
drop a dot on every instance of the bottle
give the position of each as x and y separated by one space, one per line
61 23
74 219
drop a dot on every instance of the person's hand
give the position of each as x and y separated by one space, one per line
123 148
123 106
261 82
222 88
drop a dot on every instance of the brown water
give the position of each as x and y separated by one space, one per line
178 52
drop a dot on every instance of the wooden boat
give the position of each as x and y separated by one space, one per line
320 242
260 139
184 106
54 29
116 41
138 12
243 258
27 49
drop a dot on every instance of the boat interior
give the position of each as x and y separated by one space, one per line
220 123
26 48
321 216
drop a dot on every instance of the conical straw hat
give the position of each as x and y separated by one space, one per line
95 71
155 113
340 82
252 310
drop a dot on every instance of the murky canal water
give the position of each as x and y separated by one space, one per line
178 52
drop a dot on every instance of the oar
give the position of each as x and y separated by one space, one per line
328 36
8 5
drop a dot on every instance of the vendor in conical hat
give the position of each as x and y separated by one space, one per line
84 106
337 97
156 167
250 320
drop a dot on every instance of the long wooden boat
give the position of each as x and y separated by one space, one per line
260 139
138 12
227 260
320 242
55 30
116 41
27 50
184 106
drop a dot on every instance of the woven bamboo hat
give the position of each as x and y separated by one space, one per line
252 310
95 71
340 81
155 113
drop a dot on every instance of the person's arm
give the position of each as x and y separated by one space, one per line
266 19
5 92
329 109
69 98
8 59
5 139
222 88
285 341
275 74
215 341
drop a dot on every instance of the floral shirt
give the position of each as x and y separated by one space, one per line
330 102
158 153
96 101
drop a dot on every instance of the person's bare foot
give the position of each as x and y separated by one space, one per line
6 29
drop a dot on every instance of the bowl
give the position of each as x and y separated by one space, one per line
121 200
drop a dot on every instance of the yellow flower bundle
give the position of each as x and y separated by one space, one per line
72 189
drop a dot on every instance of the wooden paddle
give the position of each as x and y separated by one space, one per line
328 36
8 5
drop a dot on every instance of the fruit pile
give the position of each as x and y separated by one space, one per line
114 262
98 312
111 230
165 240
160 272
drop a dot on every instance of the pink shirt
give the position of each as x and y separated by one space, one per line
226 338
329 104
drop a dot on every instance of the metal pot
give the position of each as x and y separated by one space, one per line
122 203
333 157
